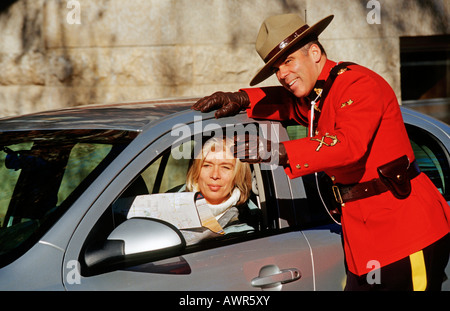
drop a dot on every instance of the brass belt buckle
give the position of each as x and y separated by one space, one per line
337 194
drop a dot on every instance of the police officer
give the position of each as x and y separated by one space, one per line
391 212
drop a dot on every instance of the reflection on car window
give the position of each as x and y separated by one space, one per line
168 173
83 158
432 158
42 173
297 131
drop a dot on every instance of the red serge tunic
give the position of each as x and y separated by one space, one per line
360 128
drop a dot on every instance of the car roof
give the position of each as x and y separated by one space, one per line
131 116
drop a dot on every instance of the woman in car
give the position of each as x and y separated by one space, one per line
223 184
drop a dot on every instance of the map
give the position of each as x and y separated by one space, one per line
176 208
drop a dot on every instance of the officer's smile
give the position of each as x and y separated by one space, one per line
292 82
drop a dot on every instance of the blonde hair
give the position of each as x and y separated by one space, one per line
242 175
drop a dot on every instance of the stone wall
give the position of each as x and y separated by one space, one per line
145 49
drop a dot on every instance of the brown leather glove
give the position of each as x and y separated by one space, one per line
226 103
252 148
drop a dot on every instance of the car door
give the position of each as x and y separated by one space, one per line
274 257
310 214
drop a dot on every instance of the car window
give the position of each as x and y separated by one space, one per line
296 131
167 175
159 192
42 173
83 159
432 158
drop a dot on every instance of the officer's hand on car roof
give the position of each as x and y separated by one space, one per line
226 103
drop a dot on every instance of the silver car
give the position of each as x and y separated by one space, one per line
67 176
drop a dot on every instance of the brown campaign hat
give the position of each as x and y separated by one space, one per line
279 33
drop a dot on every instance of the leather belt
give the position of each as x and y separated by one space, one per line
348 193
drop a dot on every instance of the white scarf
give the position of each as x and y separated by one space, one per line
218 209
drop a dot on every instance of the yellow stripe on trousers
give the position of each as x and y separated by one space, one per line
419 272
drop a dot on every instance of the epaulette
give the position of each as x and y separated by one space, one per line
334 73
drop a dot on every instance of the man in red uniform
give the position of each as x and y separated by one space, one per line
391 213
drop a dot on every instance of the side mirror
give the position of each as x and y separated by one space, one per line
135 241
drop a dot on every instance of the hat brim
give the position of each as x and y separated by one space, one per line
266 71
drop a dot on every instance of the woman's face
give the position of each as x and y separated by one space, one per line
216 179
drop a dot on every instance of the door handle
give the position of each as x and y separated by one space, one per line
271 277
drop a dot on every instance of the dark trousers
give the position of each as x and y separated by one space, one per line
424 270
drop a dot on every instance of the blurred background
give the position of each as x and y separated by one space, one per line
62 53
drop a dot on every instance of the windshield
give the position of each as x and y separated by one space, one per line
42 173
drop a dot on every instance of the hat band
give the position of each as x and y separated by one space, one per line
285 43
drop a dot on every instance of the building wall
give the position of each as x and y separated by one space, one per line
146 49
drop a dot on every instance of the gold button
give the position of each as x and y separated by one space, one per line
306 165
298 166
333 178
